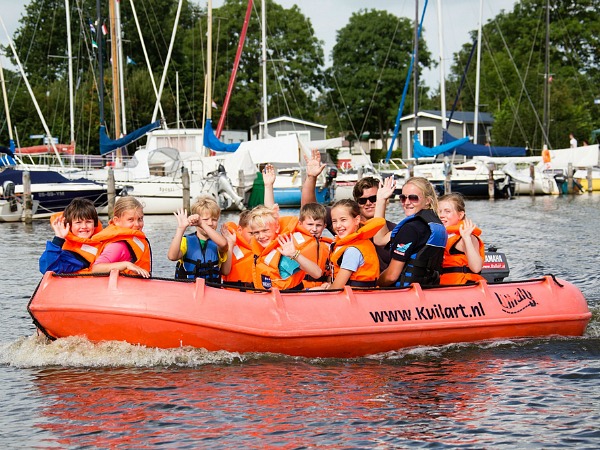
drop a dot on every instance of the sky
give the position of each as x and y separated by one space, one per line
329 16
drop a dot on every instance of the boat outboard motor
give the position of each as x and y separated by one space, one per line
227 195
495 265
8 193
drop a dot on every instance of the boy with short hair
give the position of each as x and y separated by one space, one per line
199 254
312 218
72 250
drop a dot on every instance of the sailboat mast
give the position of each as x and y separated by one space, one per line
209 63
442 71
477 76
6 109
115 69
265 131
70 65
546 119
100 61
416 70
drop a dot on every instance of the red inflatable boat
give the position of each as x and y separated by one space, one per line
169 313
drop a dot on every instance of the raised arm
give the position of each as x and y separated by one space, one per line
471 244
313 170
174 252
385 191
269 181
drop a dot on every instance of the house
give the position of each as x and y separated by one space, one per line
285 125
430 128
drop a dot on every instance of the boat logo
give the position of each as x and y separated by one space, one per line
514 303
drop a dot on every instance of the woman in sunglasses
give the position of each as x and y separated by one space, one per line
417 243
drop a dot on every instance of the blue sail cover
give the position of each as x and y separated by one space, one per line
212 142
420 151
107 144
7 155
470 149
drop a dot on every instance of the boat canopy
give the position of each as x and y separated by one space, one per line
420 151
107 144
212 142
470 149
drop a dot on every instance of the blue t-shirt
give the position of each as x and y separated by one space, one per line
352 259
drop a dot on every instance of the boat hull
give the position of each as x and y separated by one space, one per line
349 323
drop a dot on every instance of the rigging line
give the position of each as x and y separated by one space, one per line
372 102
569 55
509 98
536 115
323 75
516 121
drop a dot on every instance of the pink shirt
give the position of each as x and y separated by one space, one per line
114 252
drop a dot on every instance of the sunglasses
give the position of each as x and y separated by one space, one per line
364 200
412 198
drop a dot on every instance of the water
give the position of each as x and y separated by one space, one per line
542 393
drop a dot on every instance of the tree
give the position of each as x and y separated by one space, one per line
513 68
370 63
294 58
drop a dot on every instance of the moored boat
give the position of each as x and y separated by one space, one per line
168 313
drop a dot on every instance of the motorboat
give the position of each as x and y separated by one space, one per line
52 192
351 322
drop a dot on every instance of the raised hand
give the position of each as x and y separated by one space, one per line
229 236
386 188
313 164
182 218
286 245
466 228
269 175
60 227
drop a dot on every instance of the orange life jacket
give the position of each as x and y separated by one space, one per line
136 241
242 259
368 273
318 251
455 266
85 248
265 271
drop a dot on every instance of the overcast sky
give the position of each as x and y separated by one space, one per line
328 16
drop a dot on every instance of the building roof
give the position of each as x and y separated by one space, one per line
457 117
291 119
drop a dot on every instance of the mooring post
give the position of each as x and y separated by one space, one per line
532 175
27 199
491 185
111 193
185 180
589 180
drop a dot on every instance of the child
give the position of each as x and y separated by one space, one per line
124 245
237 269
199 254
465 251
278 244
312 219
353 256
71 250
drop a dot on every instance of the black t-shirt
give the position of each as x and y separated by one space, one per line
409 239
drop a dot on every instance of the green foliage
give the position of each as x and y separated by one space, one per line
294 66
370 63
513 67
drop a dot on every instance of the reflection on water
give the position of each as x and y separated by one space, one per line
536 393
457 395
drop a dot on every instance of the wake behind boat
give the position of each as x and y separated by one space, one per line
169 313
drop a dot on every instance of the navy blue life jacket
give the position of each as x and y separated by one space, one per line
199 262
425 265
